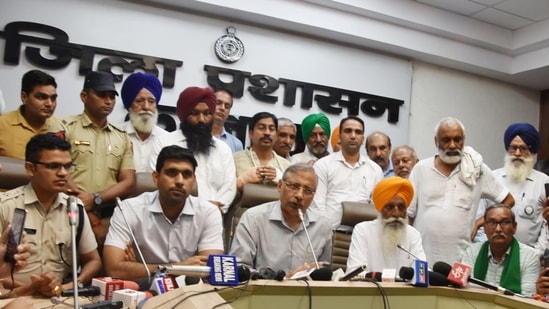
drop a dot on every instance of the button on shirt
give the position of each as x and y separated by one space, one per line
529 266
263 239
49 231
142 149
199 227
215 173
339 181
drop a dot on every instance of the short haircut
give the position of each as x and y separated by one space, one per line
298 167
410 148
350 118
227 91
449 121
47 141
500 206
380 133
285 122
175 152
255 119
35 78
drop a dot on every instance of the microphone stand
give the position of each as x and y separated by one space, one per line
300 213
73 212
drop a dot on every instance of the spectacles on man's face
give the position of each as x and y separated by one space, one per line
294 187
522 149
491 224
56 166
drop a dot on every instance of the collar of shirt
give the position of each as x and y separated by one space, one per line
361 159
505 255
30 197
188 208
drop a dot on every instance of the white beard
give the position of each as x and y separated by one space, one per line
392 234
449 159
517 168
144 121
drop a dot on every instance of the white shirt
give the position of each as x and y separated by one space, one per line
529 197
304 156
445 208
197 228
366 248
338 181
142 149
215 173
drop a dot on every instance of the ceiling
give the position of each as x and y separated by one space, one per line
503 39
508 14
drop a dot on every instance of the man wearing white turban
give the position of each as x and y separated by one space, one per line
374 243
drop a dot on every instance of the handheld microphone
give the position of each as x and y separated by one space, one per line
354 273
446 269
434 279
118 201
87 291
419 274
300 213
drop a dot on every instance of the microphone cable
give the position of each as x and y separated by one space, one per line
384 297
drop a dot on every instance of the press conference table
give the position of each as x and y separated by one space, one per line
269 294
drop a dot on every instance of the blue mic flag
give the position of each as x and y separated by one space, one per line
223 269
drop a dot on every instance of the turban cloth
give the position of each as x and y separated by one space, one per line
526 132
309 122
190 97
388 187
137 81
335 137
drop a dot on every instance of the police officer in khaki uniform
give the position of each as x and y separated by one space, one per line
102 153
48 163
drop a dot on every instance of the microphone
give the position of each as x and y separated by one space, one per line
300 213
354 273
401 247
72 211
86 291
434 279
108 285
107 304
446 269
321 274
221 269
118 202
268 273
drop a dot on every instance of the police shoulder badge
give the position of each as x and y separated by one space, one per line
229 48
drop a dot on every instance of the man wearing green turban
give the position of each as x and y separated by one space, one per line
315 129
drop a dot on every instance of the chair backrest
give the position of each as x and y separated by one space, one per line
252 195
13 173
353 213
143 183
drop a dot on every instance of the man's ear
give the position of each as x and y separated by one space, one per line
29 168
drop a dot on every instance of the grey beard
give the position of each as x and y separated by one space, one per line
142 123
518 171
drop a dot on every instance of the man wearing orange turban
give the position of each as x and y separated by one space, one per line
374 243
215 173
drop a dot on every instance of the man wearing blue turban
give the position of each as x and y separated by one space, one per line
140 95
521 142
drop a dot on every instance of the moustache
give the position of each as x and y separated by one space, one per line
267 138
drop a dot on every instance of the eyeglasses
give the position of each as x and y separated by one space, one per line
522 149
56 166
294 187
490 224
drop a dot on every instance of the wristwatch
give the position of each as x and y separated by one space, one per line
97 200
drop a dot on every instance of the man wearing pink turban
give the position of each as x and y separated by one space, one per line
374 243
215 173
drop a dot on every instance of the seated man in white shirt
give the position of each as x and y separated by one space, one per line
375 243
169 224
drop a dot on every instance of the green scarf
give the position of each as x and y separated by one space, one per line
510 277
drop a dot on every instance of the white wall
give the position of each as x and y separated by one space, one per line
485 106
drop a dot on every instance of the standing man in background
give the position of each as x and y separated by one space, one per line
285 138
315 129
215 173
101 152
34 116
141 94
345 175
224 103
404 158
378 148
448 188
521 142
